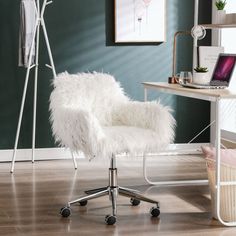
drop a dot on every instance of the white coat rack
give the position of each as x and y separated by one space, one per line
39 22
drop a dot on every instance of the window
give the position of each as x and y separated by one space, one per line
227 39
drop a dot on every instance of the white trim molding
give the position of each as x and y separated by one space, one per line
40 154
231 136
63 153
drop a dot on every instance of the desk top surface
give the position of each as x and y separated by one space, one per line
205 94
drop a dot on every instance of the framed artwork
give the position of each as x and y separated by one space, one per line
140 21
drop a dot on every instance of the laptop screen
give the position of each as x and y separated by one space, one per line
224 68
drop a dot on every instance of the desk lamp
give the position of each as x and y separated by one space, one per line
198 32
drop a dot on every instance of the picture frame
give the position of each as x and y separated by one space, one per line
140 21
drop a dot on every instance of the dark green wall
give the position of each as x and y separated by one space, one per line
81 34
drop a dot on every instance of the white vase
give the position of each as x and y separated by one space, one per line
201 77
220 17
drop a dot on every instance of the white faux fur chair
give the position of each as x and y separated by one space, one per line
90 113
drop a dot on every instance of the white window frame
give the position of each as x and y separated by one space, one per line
216 41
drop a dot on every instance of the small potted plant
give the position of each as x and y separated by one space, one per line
220 17
200 75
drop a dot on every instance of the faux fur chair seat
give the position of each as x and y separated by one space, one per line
91 113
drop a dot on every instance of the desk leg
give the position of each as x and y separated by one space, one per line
171 182
217 148
213 127
218 167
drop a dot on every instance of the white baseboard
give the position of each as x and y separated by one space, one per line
40 154
231 136
62 153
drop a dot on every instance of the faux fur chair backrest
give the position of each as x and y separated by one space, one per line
88 112
95 92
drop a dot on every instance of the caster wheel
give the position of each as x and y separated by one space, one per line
65 211
83 203
110 220
155 211
134 202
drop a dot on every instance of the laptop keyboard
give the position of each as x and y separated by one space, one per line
218 83
203 86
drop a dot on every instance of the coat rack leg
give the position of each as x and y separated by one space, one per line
29 67
35 94
48 47
23 100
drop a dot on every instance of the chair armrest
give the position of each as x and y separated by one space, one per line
149 115
77 129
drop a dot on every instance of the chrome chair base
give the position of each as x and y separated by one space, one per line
113 190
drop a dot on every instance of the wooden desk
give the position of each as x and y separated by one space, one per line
215 96
203 94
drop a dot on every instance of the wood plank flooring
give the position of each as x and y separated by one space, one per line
31 198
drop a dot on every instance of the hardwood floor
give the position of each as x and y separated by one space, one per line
30 199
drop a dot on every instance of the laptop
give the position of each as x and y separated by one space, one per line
221 75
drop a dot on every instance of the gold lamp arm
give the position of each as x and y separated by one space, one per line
173 78
198 32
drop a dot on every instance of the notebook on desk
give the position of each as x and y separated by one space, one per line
221 75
